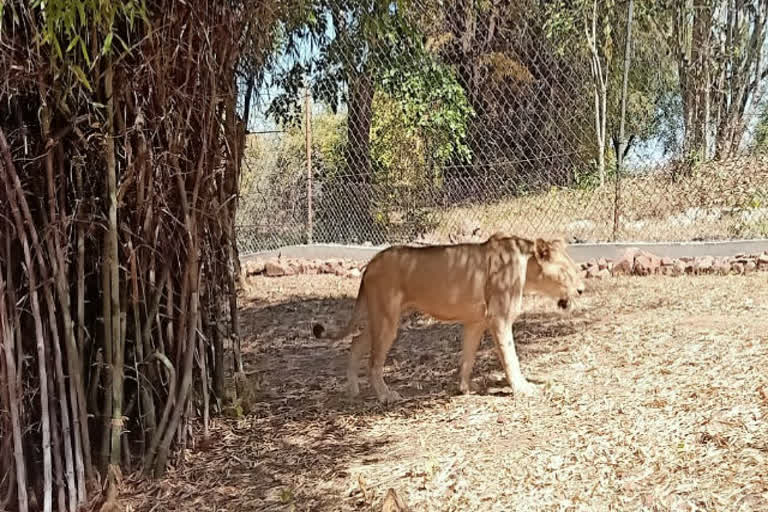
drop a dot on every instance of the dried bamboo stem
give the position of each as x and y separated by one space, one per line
12 188
6 334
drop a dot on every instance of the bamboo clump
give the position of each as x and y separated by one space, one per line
120 150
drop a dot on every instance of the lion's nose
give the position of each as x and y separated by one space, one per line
580 290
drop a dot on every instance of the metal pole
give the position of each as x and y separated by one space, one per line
620 146
308 142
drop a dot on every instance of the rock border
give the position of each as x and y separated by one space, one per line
634 262
280 267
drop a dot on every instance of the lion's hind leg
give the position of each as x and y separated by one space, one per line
360 345
383 326
473 335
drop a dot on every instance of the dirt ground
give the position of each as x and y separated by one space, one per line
656 398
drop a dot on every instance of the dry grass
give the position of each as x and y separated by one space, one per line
718 202
657 399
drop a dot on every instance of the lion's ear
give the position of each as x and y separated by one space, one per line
542 248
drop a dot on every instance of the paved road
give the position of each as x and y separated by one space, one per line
579 252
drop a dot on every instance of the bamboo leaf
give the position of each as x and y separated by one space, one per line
81 12
107 44
73 43
84 49
78 71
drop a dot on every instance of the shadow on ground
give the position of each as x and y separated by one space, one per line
422 365
307 424
300 438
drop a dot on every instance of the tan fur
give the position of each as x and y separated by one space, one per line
479 285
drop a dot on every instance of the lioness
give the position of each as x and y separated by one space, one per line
479 285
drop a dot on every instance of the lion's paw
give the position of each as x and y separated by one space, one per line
390 397
527 389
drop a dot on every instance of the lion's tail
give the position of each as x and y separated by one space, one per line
319 330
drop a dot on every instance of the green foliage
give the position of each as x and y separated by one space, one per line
67 23
652 73
276 167
761 132
419 123
68 26
350 38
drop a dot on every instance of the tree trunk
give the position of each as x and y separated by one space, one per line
694 52
359 127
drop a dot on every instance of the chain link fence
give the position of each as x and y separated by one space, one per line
446 121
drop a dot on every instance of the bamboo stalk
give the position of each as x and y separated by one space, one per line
13 402
203 380
56 441
114 276
59 273
63 441
147 407
13 316
149 459
12 187
218 348
106 409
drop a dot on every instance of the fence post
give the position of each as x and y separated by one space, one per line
620 144
308 142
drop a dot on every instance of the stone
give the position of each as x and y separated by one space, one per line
253 268
722 267
603 274
332 267
679 268
602 264
762 261
626 263
275 268
666 261
646 264
704 265
750 266
592 272
737 267
353 273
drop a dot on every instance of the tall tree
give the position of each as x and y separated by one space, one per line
719 46
743 70
596 32
350 45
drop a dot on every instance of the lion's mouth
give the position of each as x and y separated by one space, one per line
563 303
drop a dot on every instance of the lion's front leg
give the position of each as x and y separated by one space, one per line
502 335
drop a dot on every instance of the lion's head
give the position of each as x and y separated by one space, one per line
553 273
